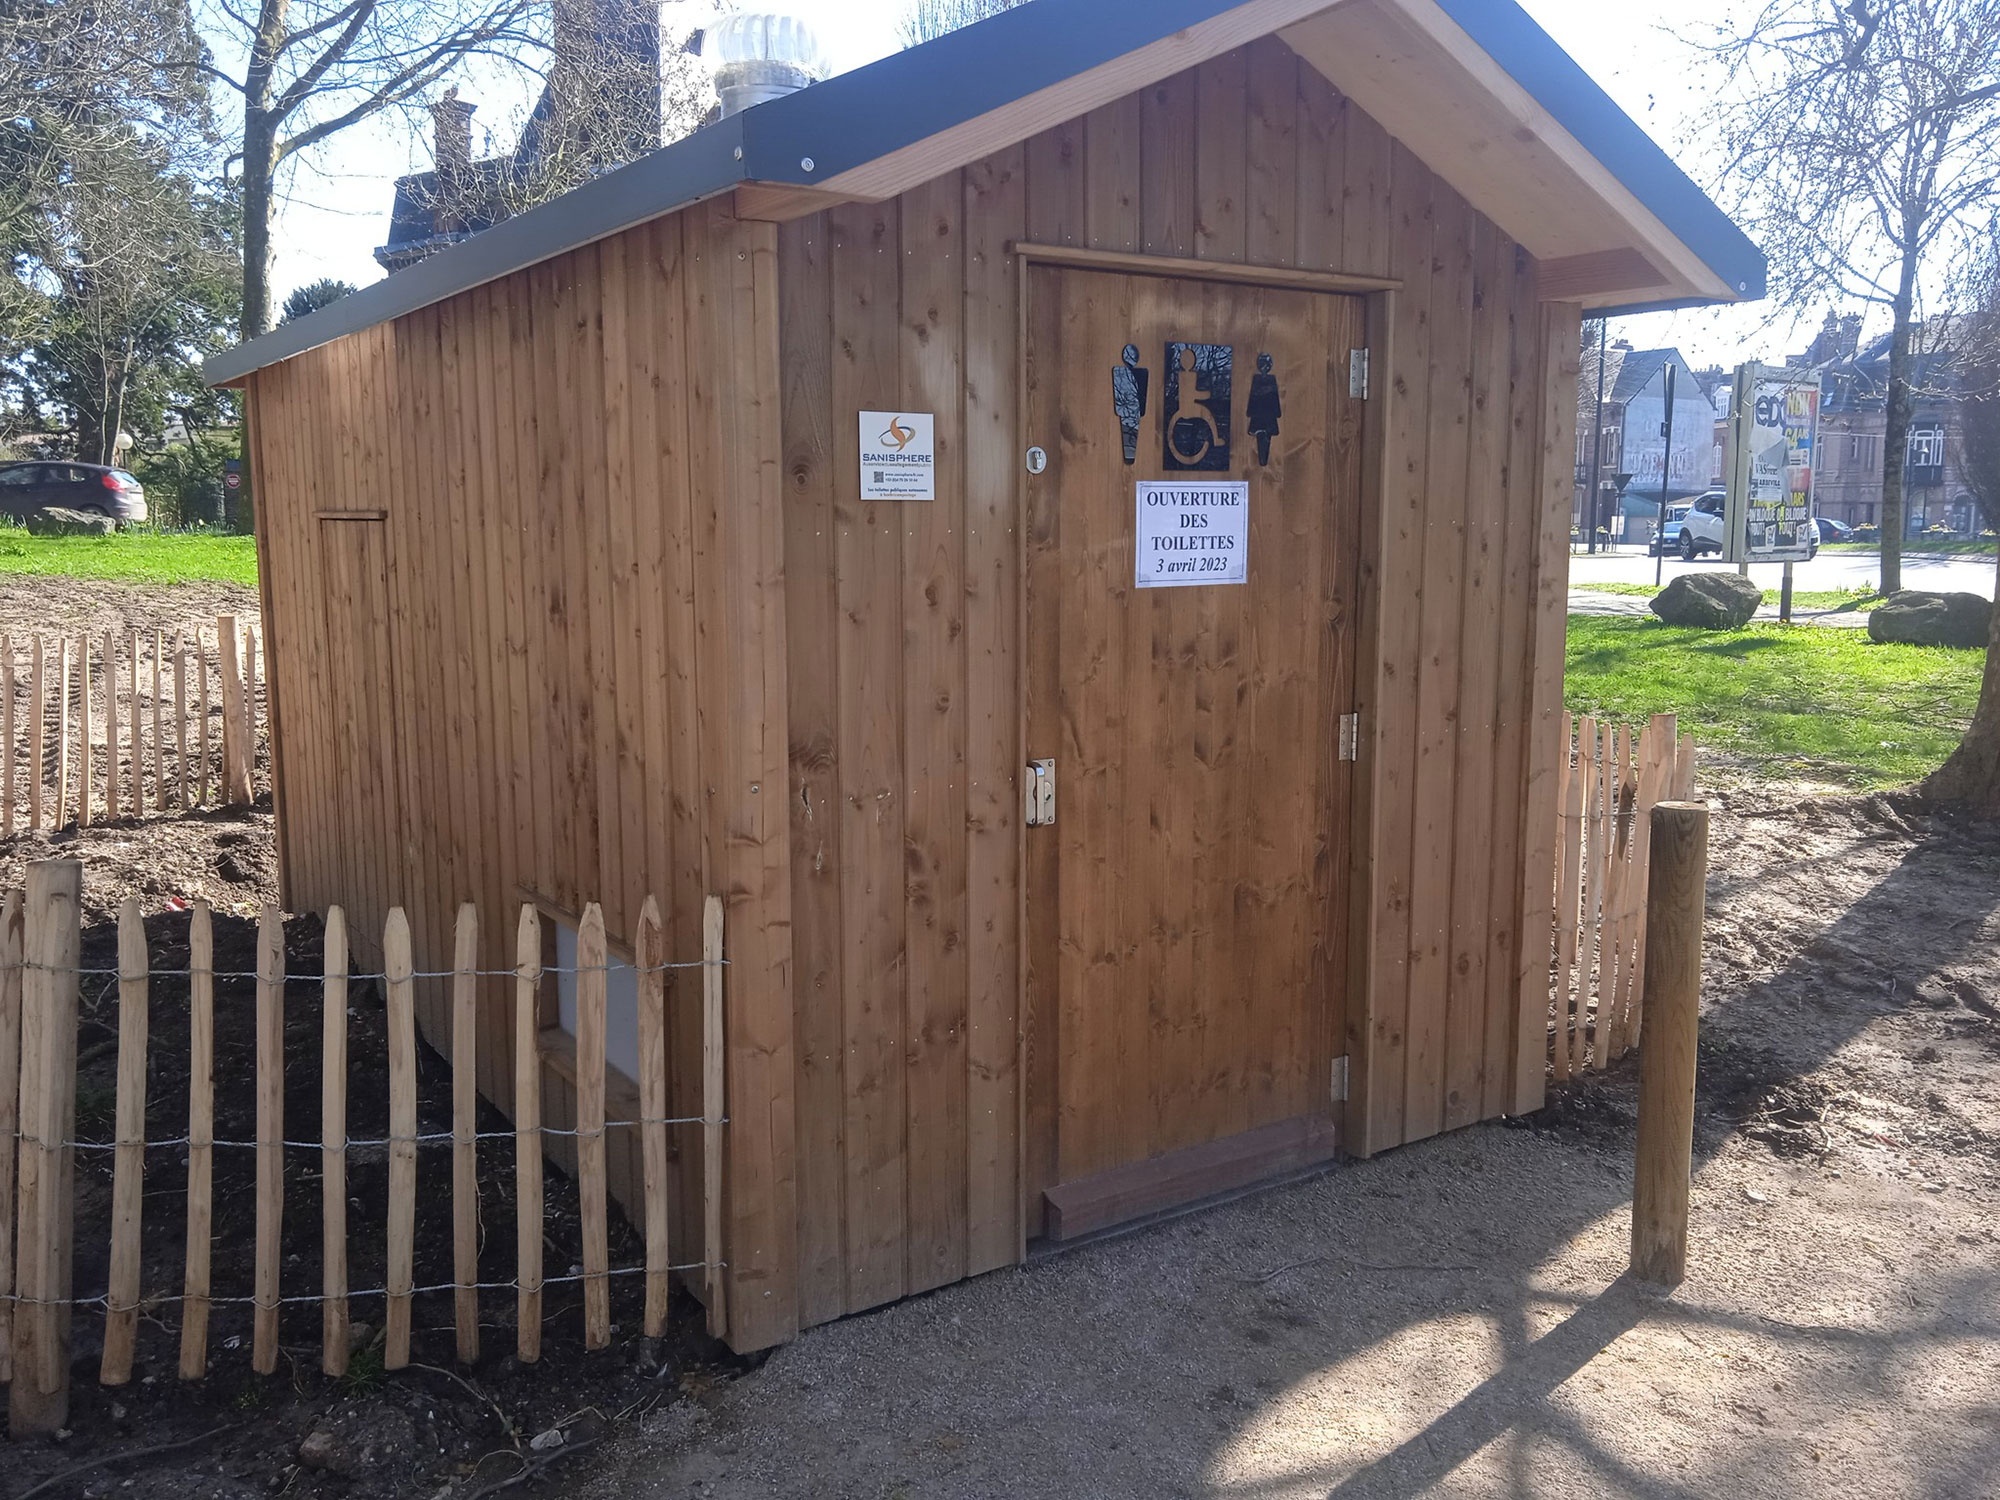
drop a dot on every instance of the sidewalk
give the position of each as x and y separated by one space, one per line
1590 602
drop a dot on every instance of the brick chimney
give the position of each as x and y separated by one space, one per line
451 137
1850 336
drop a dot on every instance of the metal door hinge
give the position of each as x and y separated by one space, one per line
1041 808
1340 1080
1357 374
1350 736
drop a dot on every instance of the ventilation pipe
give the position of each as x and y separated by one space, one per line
760 55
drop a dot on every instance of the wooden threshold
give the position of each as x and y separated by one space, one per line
1201 270
1194 1172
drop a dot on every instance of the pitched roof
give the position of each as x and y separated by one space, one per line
1474 87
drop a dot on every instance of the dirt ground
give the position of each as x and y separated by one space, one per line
1446 1319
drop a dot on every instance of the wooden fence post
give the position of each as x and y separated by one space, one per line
464 1133
270 1135
181 718
528 1135
333 1147
402 1216
591 988
62 735
159 724
7 750
201 1116
10 1113
39 727
201 696
650 953
84 772
236 747
38 1400
714 1056
1675 888
110 725
128 1171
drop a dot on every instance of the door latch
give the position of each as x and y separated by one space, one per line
1041 810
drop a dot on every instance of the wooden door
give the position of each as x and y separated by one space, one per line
354 562
1187 909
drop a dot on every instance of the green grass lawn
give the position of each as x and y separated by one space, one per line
136 556
1801 598
1808 702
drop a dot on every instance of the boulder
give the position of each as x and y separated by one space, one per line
1708 601
1916 618
56 520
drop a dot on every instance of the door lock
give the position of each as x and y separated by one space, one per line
1041 785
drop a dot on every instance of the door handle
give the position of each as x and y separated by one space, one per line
1041 788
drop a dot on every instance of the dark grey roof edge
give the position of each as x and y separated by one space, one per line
693 169
1530 56
909 96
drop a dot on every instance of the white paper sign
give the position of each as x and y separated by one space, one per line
898 455
1191 534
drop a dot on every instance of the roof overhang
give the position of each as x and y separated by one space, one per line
1474 87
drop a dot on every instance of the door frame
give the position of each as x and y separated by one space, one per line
1378 296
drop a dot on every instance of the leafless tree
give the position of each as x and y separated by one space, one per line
305 70
1863 146
1971 776
925 20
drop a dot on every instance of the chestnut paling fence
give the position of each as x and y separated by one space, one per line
1611 776
40 976
126 723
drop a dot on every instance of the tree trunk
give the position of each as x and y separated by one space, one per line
259 163
1971 776
1896 433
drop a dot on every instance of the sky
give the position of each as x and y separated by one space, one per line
336 208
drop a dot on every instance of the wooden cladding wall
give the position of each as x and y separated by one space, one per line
904 624
521 558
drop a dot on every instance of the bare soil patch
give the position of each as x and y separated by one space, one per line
1450 1318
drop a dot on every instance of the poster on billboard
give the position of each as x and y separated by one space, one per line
1774 436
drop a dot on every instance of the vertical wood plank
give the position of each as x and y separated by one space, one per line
1221 157
402 1213
110 725
138 801
1555 479
235 772
333 1147
128 1170
649 952
38 1399
201 1119
10 1107
1570 888
590 1186
865 253
995 213
1272 190
528 1136
812 625
38 754
1166 166
270 1130
201 701
464 1124
7 749
1598 753
85 767
713 1106
180 721
933 667
159 723
62 736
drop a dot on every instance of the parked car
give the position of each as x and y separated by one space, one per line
1669 537
28 487
1702 526
1867 533
1831 530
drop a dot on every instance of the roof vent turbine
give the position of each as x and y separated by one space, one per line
761 55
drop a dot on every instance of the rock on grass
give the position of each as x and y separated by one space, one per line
1708 601
1913 617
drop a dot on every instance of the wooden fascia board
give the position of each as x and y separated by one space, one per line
1599 275
1651 237
1014 122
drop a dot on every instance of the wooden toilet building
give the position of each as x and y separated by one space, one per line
1065 530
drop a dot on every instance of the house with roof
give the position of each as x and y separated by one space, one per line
1854 419
1063 531
1635 453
